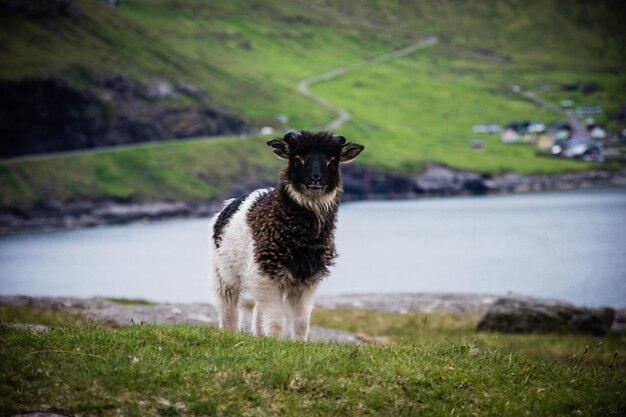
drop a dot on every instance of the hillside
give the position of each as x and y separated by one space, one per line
151 70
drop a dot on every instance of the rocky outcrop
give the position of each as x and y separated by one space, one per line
440 179
405 302
53 114
361 182
54 215
38 9
527 315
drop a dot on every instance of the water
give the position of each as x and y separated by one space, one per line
568 245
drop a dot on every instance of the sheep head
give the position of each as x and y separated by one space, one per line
313 160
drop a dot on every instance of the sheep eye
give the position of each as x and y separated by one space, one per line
298 158
330 161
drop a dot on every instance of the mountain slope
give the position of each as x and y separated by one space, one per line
244 59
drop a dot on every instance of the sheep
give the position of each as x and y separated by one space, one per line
277 244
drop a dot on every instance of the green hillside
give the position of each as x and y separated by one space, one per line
248 57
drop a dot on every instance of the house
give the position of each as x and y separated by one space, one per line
589 110
597 133
487 128
510 136
544 141
477 144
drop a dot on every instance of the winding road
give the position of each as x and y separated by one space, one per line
579 129
342 114
303 87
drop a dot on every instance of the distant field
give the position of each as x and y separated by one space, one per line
188 170
422 108
249 59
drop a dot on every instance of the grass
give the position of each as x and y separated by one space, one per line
195 170
90 369
439 327
410 111
131 301
47 317
194 370
444 99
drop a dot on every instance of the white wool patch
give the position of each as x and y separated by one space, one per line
317 203
234 259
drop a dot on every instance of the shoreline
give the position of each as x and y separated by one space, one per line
117 313
360 184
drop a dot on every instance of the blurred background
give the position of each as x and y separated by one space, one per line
117 114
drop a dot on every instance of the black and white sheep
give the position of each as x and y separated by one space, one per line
277 244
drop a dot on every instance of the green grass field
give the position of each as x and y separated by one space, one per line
249 58
437 327
189 170
434 368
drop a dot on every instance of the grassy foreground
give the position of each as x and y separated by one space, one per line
88 369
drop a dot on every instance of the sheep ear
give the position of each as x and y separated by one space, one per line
292 137
280 148
349 151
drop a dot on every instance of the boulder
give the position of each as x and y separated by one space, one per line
49 114
440 179
526 315
39 10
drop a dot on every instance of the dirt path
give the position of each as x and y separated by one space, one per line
342 114
580 130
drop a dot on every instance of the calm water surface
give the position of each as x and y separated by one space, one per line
569 245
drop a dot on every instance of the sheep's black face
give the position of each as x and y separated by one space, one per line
314 160
314 172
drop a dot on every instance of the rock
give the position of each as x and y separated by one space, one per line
48 114
361 182
159 89
526 315
39 414
440 179
190 90
27 326
55 303
54 215
405 302
112 3
37 9
619 324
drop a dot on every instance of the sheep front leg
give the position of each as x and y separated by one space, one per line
300 302
269 313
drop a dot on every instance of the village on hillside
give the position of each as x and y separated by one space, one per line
577 135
